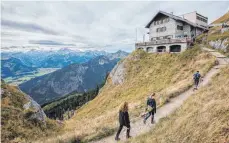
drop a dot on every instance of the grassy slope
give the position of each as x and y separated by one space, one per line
222 19
15 126
215 34
203 118
165 74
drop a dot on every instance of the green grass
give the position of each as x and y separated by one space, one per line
20 79
219 36
222 19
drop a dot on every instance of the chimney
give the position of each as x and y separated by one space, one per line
171 13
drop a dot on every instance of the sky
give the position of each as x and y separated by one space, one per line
108 26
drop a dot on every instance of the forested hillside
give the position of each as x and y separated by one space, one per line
14 67
73 78
64 108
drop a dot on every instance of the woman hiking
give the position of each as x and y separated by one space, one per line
123 120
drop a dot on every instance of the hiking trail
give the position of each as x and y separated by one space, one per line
138 127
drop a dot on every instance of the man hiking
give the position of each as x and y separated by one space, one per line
123 121
151 108
196 78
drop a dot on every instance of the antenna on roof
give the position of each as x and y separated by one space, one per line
136 34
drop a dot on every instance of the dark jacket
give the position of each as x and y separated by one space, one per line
196 76
124 118
152 103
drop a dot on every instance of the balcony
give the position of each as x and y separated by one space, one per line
164 41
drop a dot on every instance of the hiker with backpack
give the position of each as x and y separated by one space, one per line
151 108
196 78
123 120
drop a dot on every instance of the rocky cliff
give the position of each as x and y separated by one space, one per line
221 44
21 117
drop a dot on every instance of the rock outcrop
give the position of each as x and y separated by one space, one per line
38 113
118 73
219 44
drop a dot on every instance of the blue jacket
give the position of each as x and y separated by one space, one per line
196 76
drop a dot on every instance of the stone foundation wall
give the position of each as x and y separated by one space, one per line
153 48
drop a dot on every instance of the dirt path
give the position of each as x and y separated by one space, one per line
138 127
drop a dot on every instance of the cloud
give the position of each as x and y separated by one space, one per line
27 27
86 25
47 42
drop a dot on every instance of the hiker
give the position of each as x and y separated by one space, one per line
196 78
123 120
151 103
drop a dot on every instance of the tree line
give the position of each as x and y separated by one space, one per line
64 108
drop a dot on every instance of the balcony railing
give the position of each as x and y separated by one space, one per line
164 41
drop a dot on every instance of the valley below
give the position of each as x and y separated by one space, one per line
28 76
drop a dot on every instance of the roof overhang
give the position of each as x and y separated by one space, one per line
174 17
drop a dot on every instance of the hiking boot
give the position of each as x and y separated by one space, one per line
127 137
144 121
152 119
117 138
128 134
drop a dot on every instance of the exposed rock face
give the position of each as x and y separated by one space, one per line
118 73
224 29
38 112
219 44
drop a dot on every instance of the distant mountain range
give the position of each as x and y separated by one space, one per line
17 63
53 59
73 78
14 67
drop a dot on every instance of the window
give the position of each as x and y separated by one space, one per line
168 37
161 29
166 20
179 27
202 19
153 39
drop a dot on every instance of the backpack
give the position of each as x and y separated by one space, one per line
196 76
